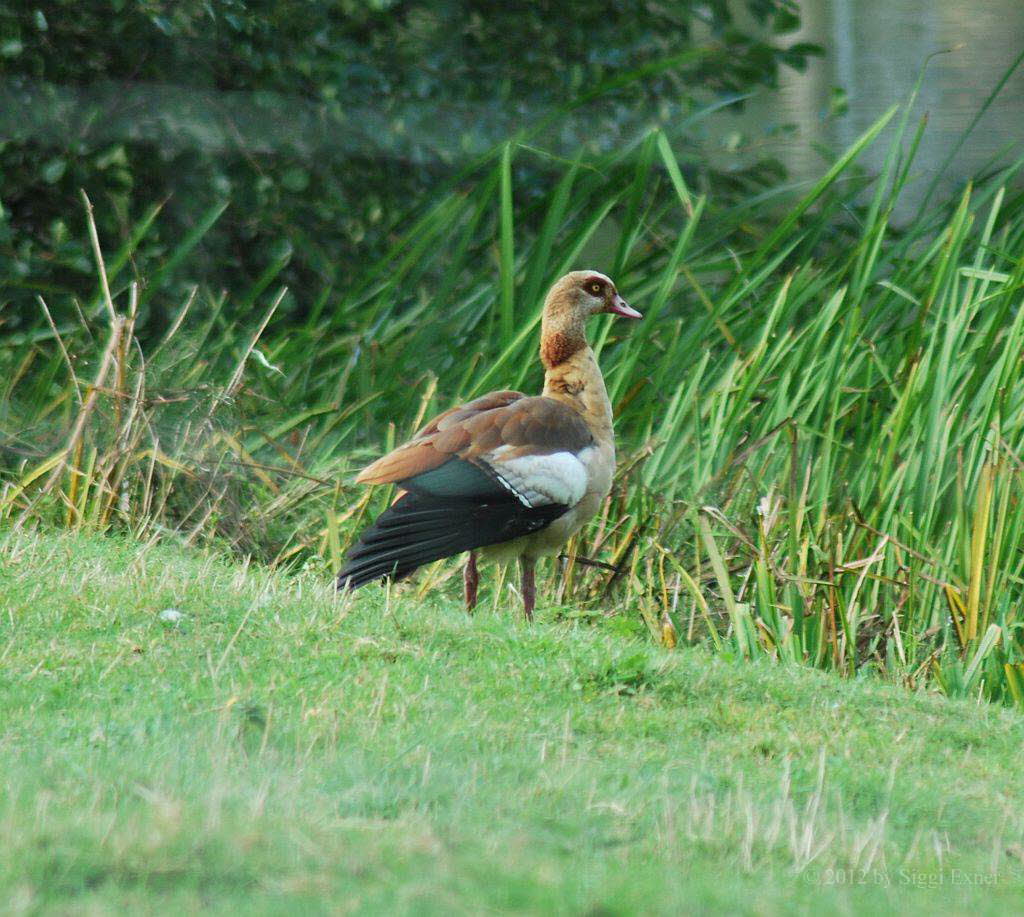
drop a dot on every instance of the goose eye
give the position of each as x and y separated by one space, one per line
595 288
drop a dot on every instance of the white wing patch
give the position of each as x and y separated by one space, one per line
540 480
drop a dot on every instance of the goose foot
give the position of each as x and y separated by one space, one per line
529 588
470 579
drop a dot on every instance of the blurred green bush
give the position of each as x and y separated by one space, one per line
324 124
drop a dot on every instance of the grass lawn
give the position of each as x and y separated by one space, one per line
279 749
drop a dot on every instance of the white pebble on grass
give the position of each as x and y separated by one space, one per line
172 616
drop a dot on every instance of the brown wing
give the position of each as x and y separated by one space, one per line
524 425
458 493
487 402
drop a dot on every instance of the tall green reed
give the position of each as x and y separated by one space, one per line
820 424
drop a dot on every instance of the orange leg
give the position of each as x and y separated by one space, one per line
529 587
470 579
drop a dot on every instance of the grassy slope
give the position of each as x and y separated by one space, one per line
283 750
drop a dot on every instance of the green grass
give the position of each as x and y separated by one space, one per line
282 749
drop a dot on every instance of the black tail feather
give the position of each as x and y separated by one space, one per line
419 529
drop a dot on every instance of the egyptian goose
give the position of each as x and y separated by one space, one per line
512 474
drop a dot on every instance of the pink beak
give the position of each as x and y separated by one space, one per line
619 306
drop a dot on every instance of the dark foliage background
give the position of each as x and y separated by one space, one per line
321 126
